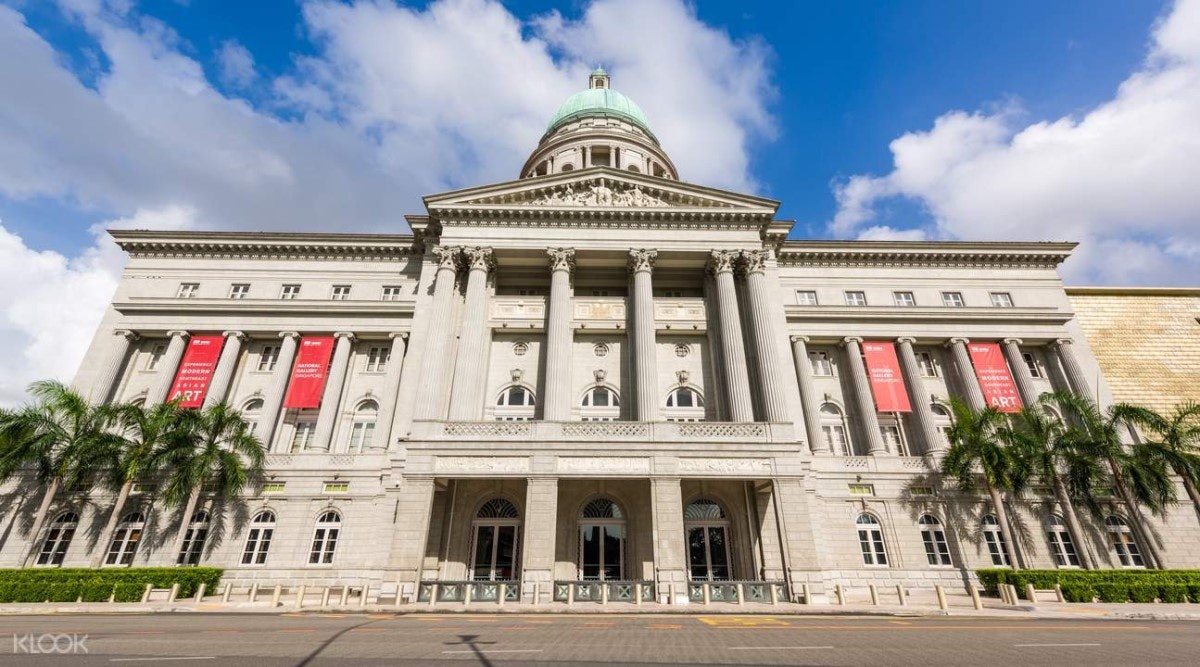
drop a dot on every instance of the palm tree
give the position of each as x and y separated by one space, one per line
1140 477
218 452
62 437
1048 451
1175 440
976 445
147 434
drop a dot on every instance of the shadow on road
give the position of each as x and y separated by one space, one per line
328 642
472 642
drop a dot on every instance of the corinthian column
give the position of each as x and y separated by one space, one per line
733 350
470 366
916 392
1020 372
273 402
766 357
391 391
808 394
105 384
966 373
437 337
1075 377
862 396
167 367
223 374
557 394
641 264
331 398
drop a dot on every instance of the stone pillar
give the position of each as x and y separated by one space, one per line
167 367
1075 377
921 413
733 350
771 385
1020 372
105 384
537 551
391 391
862 396
470 366
645 366
966 373
331 399
273 403
557 393
437 338
808 396
670 559
413 509
798 528
226 365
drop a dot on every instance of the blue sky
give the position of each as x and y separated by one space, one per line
874 120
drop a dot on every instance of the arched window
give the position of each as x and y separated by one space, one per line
497 528
892 433
707 530
1121 538
305 430
833 427
602 541
633 168
568 167
193 539
942 421
515 404
251 412
870 540
600 404
684 404
58 540
325 538
362 426
994 538
258 540
125 540
937 552
1061 544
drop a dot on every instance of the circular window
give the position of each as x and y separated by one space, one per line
682 350
519 349
601 349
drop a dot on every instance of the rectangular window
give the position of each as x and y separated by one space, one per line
1002 300
529 291
377 359
862 489
340 293
305 430
952 299
920 490
806 297
392 292
856 298
1032 364
187 290
893 439
600 292
141 489
360 436
821 365
937 552
269 488
835 437
289 292
926 365
336 487
239 290
156 355
904 299
268 358
673 294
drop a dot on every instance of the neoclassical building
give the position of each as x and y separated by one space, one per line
596 372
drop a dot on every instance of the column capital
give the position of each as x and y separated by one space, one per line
344 334
642 260
234 334
1014 341
1059 342
402 335
906 339
721 261
753 261
126 334
852 339
447 257
562 259
799 339
178 333
957 341
478 259
289 334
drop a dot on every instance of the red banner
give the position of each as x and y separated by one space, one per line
308 374
196 370
995 380
886 381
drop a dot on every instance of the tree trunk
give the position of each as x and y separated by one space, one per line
1002 519
40 518
1190 486
1138 523
102 544
1082 548
188 510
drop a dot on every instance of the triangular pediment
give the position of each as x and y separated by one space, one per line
596 191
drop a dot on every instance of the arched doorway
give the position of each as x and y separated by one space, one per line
707 528
494 544
602 541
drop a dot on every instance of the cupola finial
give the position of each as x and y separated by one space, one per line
598 79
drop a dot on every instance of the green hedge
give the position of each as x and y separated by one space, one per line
1104 585
95 585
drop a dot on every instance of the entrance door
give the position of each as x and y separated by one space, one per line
708 541
495 552
602 549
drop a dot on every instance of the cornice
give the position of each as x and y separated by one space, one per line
1134 291
892 314
953 254
263 245
273 307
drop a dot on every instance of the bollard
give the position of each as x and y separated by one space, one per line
805 593
79 600
112 597
774 595
637 594
254 592
325 597
1030 593
1016 597
345 596
570 594
416 592
174 592
433 593
901 596
227 593
275 595
300 597
604 593
467 590
841 597
975 599
741 593
503 594
1058 593
363 599
707 593
145 593
941 598
200 592
874 595
537 592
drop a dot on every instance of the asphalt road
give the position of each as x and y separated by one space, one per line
331 639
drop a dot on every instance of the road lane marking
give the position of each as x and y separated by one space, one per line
180 657
1049 645
776 648
742 622
499 650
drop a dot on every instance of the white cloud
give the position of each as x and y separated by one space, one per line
1124 179
237 64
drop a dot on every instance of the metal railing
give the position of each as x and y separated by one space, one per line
604 591
738 591
469 591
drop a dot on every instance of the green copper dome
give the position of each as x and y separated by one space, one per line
599 102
